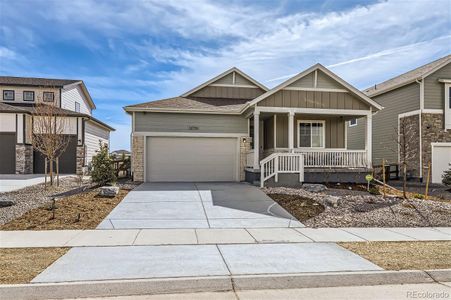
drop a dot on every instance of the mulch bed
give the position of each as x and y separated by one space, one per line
300 208
21 265
404 255
80 211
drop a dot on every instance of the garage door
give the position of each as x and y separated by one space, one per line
441 160
191 159
67 160
7 153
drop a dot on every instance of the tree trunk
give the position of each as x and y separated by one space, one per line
404 179
51 172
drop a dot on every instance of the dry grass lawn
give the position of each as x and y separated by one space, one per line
404 255
22 265
81 211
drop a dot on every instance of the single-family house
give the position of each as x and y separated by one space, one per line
233 128
422 99
19 98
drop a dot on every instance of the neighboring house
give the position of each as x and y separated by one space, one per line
19 96
211 132
120 153
421 97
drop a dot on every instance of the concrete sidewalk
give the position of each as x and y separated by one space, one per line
155 237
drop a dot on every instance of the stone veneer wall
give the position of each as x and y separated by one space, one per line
80 159
245 146
138 158
433 131
24 159
413 164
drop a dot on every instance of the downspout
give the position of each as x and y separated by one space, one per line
421 83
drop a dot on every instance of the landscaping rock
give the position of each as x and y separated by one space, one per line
333 201
6 203
314 188
109 191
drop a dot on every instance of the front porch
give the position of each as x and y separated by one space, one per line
298 145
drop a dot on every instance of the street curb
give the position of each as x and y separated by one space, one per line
217 284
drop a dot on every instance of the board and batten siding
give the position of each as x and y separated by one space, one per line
313 99
385 122
94 135
192 123
334 131
228 92
434 91
75 94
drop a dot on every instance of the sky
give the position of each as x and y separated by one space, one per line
135 51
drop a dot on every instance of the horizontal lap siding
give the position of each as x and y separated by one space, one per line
313 99
72 95
199 123
385 122
93 136
434 91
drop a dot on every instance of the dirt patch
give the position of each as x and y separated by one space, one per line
404 255
81 211
300 208
22 265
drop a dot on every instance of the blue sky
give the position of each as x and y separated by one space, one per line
135 51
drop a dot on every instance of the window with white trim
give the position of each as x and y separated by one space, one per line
311 134
353 122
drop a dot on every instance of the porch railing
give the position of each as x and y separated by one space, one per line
333 158
278 163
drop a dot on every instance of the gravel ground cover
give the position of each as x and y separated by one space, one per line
404 255
361 209
36 196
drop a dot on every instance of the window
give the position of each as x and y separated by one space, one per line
49 96
352 122
28 96
8 95
77 107
311 134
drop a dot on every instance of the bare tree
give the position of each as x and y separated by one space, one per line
49 138
405 138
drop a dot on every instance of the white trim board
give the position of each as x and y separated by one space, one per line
339 112
290 88
188 134
234 69
417 112
234 85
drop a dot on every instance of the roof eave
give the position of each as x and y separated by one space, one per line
177 110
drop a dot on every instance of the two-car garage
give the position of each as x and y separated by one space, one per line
189 158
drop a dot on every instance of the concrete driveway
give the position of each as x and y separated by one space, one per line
197 205
12 182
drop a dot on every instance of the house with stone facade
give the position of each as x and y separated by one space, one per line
20 96
421 98
233 128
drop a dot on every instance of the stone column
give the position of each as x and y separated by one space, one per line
24 159
138 158
245 147
81 154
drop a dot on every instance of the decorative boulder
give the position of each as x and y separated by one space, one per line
314 188
109 191
6 203
332 201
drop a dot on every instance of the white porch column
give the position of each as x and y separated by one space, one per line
369 138
256 140
291 131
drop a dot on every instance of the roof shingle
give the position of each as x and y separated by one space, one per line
31 81
406 77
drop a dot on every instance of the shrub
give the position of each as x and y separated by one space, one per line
418 196
446 178
102 167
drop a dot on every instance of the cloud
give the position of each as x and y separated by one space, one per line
6 53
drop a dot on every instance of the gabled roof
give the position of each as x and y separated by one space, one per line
46 82
318 66
222 75
408 77
182 104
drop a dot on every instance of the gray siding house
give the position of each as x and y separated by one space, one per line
420 97
232 128
20 96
